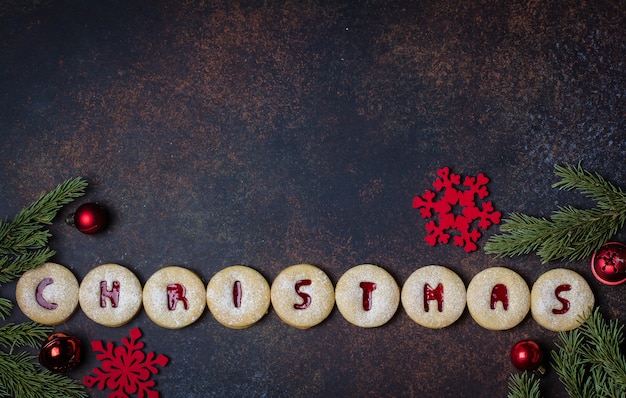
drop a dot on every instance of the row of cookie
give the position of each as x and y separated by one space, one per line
303 296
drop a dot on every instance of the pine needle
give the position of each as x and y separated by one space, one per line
570 233
524 385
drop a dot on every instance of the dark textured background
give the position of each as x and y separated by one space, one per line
278 132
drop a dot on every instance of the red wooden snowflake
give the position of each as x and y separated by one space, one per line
456 207
125 369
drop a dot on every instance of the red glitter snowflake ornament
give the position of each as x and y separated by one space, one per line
457 207
126 369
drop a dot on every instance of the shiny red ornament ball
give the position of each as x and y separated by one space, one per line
527 355
608 263
89 218
60 353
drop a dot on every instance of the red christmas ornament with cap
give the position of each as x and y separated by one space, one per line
608 263
89 218
527 355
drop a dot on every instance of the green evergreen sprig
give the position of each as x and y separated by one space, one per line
588 360
570 233
25 232
25 334
23 244
23 241
524 385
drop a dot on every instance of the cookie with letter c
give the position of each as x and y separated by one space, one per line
47 294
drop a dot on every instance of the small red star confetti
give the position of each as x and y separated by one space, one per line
457 209
125 369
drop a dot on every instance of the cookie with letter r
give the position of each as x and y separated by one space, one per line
174 297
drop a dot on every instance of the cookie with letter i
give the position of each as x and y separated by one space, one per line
303 296
47 294
560 299
434 296
367 296
238 296
110 295
174 297
498 298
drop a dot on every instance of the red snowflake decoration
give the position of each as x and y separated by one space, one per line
125 369
450 195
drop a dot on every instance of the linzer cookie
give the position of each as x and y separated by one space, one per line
498 298
367 296
434 296
303 296
238 296
174 297
560 300
47 294
110 295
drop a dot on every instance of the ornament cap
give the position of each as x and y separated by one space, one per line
608 263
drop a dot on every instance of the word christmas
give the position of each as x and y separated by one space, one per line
303 296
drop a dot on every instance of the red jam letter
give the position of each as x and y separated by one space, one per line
436 294
176 293
500 293
306 298
564 303
39 294
237 294
368 288
113 294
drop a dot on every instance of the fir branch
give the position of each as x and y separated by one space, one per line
524 385
568 363
12 267
32 382
24 232
570 233
588 359
25 334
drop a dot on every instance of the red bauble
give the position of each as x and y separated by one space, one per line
89 218
527 355
60 353
608 263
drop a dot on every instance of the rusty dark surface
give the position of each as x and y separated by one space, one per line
279 132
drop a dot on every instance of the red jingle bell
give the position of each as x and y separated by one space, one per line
608 263
89 218
527 355
60 353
